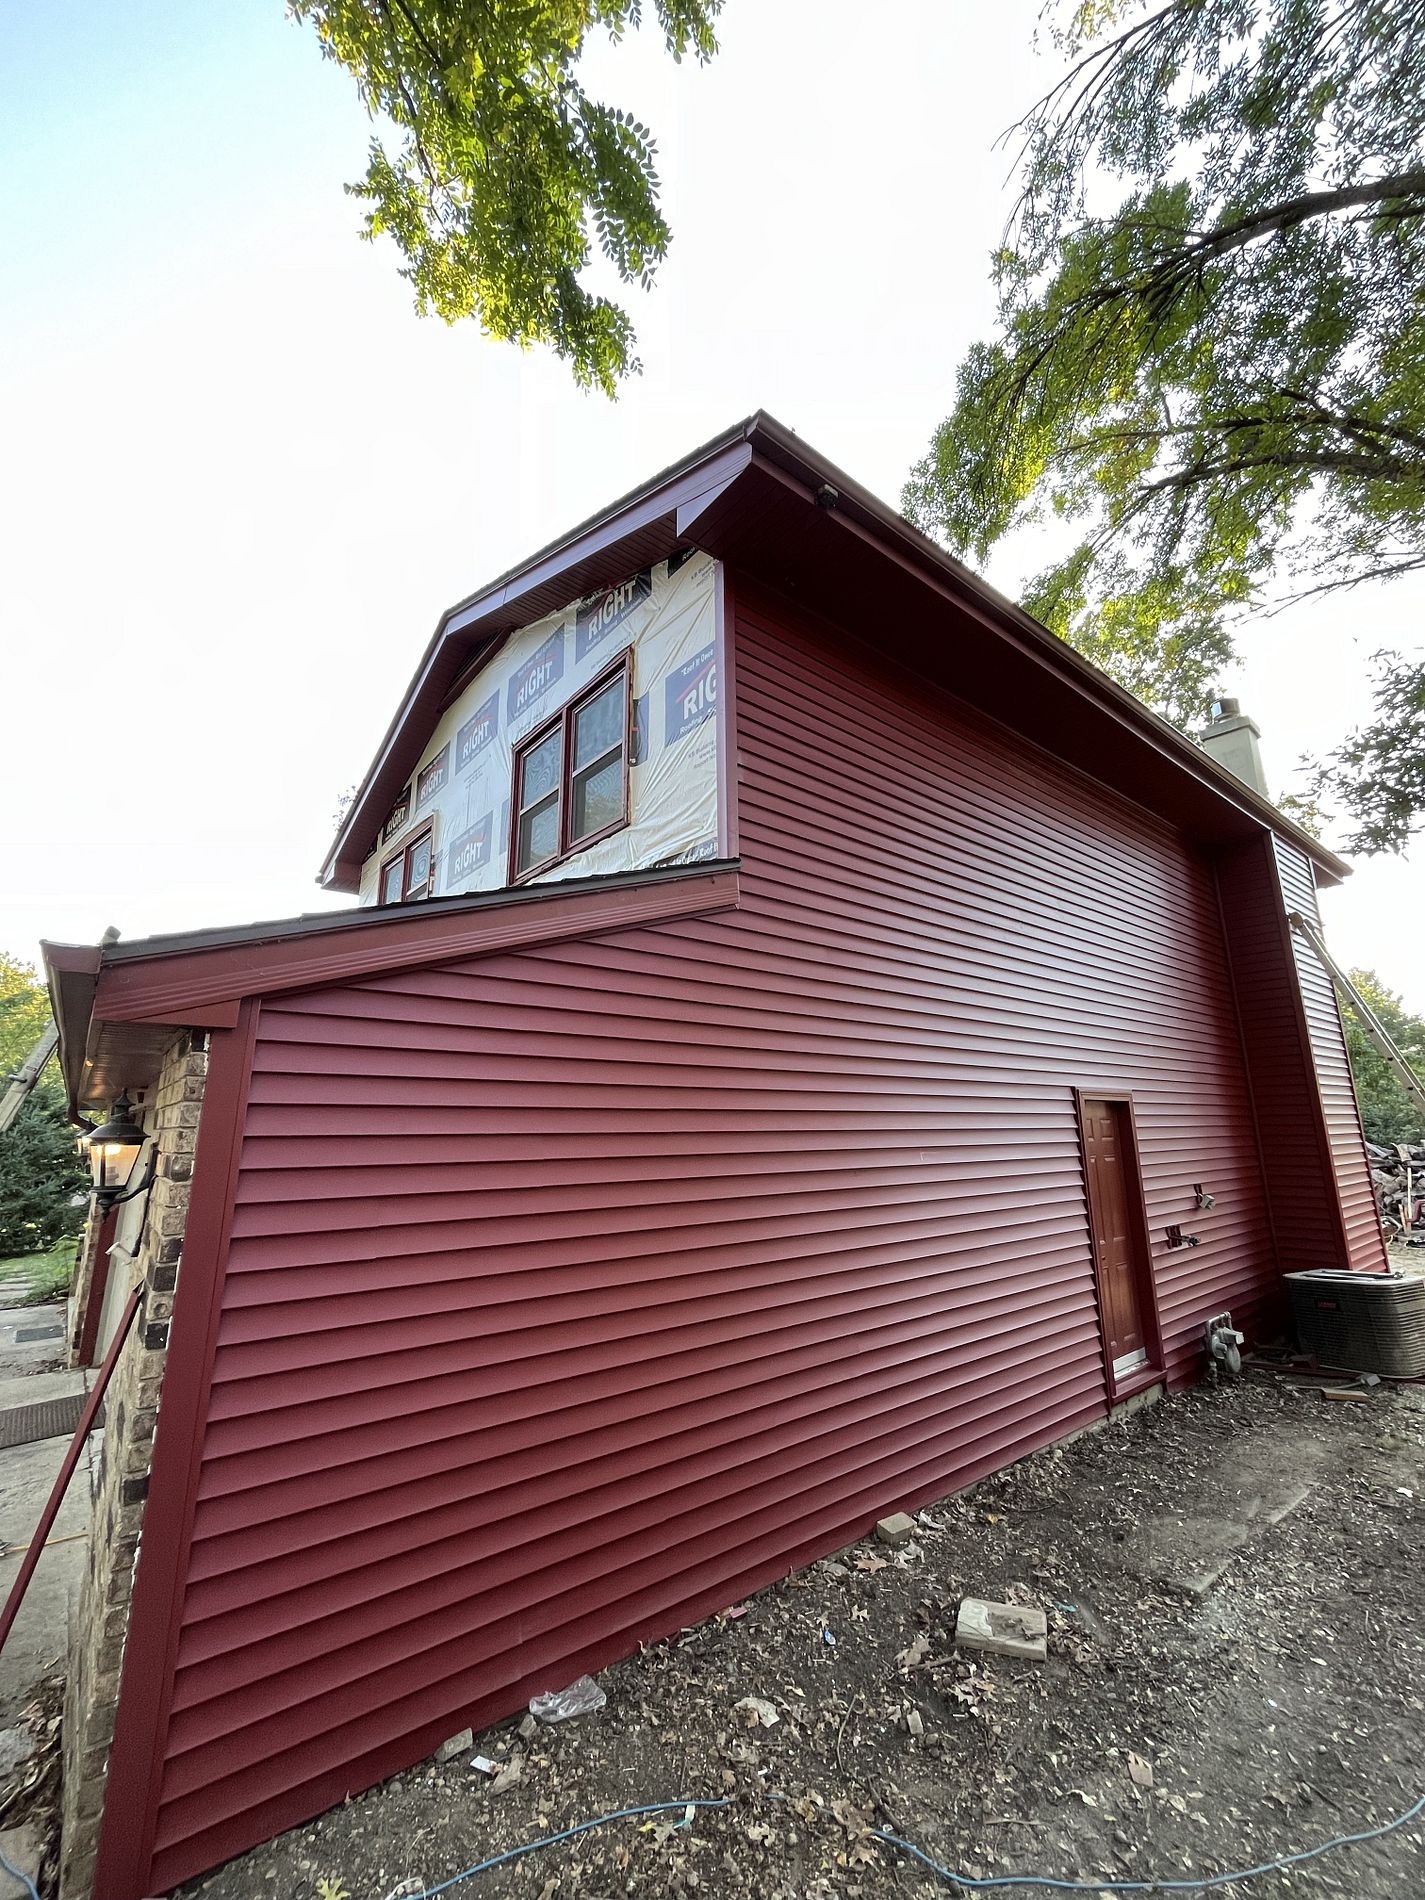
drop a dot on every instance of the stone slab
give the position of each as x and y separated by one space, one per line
896 1529
39 1642
1196 1580
1005 1629
29 1388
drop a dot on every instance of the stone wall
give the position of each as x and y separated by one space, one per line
85 1260
101 1617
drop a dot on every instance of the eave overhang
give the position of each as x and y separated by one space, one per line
632 533
757 498
117 1004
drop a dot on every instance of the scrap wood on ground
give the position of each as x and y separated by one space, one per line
1236 1636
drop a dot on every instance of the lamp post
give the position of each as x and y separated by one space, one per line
114 1149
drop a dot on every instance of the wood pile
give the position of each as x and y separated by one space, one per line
1398 1176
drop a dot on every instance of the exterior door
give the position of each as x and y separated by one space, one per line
1118 1232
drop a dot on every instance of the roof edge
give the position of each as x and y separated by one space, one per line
168 979
72 977
766 432
762 436
463 620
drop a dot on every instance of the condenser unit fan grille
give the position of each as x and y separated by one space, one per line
1362 1322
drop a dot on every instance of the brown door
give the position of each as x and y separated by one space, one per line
1111 1165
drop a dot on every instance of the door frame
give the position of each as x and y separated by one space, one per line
1151 1373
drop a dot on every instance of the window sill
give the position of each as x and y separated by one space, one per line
537 871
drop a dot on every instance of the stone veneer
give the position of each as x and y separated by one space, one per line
81 1287
100 1622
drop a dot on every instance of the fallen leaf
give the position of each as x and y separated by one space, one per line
916 1652
865 1561
758 1712
509 1777
1141 1770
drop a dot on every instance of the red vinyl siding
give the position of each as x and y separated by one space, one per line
573 1292
1365 1242
1305 1218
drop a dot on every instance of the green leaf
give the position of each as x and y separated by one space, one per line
494 171
1221 381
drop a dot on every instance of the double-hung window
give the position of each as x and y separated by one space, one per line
571 776
411 873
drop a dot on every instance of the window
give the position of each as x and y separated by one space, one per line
411 873
571 776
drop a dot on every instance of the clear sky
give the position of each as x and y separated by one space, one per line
240 478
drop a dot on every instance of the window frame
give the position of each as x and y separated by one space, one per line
563 723
402 856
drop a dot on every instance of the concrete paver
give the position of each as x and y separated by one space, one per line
31 1372
30 1356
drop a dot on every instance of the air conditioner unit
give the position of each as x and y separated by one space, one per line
1362 1322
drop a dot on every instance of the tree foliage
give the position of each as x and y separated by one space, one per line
494 165
1378 773
24 1013
1388 1113
40 1171
43 1184
1219 379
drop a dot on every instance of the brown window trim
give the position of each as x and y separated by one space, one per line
563 722
402 856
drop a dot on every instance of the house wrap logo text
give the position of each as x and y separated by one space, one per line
478 732
599 616
539 672
470 852
431 778
691 694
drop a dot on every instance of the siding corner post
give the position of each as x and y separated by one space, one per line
728 776
131 1790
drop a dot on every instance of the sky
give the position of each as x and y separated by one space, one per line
241 478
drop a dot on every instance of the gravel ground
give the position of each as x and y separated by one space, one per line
1279 1707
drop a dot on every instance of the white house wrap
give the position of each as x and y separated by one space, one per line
668 617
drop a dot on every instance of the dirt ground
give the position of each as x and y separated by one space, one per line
1277 1706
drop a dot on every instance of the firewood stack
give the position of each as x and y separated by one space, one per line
1398 1175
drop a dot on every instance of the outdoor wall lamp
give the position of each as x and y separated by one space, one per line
114 1149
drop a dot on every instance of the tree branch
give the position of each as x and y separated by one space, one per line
415 121
1320 461
1339 583
1408 187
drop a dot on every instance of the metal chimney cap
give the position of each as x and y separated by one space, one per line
1224 707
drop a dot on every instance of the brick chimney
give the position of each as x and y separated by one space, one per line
1231 739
